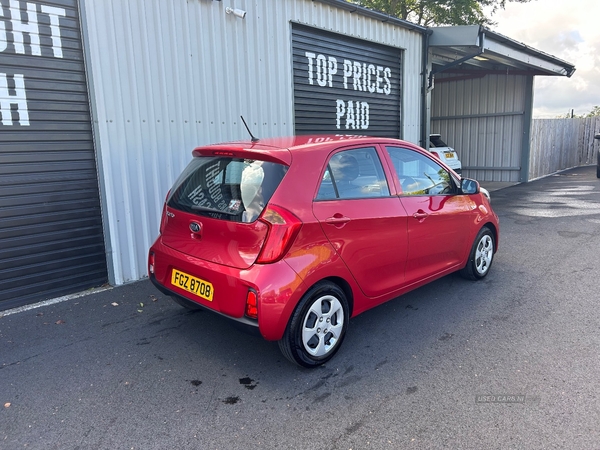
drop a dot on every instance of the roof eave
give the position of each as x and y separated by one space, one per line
382 17
500 48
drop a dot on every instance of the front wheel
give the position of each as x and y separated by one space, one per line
317 326
480 258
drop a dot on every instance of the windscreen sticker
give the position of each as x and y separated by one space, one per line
234 205
213 187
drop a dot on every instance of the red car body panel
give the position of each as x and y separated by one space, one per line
369 242
375 248
437 241
238 245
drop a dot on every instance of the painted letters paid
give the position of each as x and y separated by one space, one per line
356 114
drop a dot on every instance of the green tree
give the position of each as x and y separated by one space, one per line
595 112
438 12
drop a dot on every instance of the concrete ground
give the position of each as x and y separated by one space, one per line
509 362
497 185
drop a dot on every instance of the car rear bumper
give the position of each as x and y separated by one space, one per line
244 323
277 286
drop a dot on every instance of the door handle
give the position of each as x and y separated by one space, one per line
420 215
337 219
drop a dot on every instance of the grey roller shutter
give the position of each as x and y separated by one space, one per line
51 238
344 85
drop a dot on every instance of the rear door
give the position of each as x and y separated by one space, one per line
363 222
439 218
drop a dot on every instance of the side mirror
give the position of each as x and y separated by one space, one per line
469 186
597 136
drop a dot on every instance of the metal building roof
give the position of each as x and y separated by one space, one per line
473 47
477 48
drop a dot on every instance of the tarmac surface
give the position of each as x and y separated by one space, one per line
507 362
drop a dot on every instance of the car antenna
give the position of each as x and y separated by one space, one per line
252 138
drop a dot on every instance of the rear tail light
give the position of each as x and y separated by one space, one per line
252 304
283 229
436 155
151 263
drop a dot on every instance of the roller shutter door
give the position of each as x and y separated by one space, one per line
51 238
344 85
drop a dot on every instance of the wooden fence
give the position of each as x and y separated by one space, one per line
558 144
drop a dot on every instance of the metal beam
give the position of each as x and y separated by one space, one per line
479 116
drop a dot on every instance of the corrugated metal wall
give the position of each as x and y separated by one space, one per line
483 120
170 75
51 237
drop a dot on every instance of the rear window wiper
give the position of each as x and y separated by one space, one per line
213 210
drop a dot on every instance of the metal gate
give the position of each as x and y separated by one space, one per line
345 85
51 236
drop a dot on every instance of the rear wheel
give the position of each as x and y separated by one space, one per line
480 258
317 327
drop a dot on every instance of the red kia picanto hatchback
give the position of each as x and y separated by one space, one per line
293 236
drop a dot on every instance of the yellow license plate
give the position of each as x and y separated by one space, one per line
449 155
192 284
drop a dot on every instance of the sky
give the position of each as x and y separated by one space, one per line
566 29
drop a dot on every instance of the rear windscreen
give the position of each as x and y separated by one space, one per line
436 141
226 188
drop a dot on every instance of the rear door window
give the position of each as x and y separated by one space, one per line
226 188
355 173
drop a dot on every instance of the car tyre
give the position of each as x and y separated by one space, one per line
317 327
481 256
